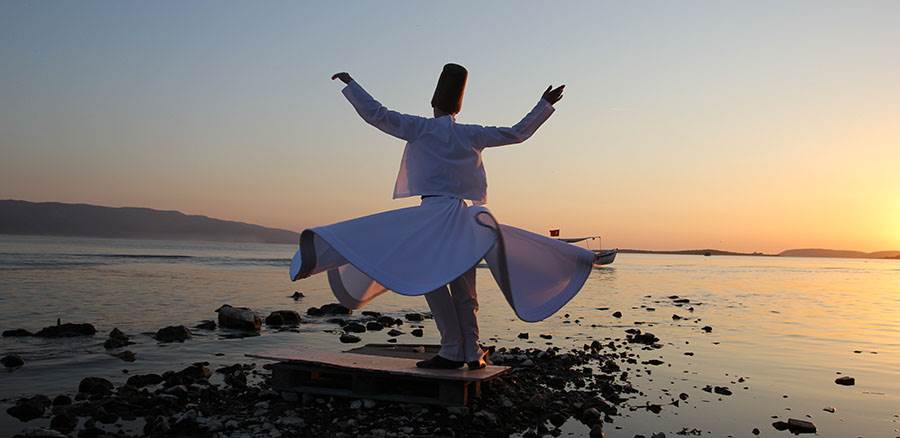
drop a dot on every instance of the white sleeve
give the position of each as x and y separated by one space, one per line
399 125
489 136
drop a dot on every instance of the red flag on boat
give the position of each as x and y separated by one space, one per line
554 233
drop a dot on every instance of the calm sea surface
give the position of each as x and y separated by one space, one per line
787 326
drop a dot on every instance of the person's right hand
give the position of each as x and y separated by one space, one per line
553 95
343 76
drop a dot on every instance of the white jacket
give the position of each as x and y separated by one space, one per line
441 156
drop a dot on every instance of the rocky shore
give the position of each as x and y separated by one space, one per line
546 389
550 390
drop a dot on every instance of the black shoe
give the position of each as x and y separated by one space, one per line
477 364
440 363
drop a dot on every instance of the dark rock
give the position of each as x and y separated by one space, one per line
371 314
127 356
64 422
12 361
721 390
801 426
27 409
335 309
354 327
238 318
706 329
297 295
676 317
62 400
112 344
642 338
66 330
417 332
349 339
557 419
117 339
755 431
197 371
16 333
157 426
392 340
115 333
523 336
845 380
683 396
374 326
206 324
546 336
237 379
780 425
617 314
173 333
95 386
283 317
142 380
654 362
414 317
387 321
394 332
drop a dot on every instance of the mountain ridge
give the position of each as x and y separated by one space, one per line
19 217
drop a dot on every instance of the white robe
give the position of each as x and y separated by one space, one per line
415 250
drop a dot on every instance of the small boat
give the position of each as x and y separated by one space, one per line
602 256
605 256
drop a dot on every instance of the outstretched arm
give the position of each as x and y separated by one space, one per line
399 125
489 136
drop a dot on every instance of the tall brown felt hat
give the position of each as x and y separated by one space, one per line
448 95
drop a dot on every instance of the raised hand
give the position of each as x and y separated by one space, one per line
343 76
553 95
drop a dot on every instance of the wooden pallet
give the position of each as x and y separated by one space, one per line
371 373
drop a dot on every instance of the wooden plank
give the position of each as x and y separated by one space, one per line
409 351
379 364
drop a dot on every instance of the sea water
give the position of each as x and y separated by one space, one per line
784 326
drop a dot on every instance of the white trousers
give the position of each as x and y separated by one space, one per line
455 311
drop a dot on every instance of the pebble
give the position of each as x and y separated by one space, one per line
12 361
417 333
349 339
16 333
801 426
845 380
173 333
354 327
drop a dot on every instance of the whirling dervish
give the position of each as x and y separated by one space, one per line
433 249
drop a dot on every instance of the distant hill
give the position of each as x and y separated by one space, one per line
819 252
59 219
703 252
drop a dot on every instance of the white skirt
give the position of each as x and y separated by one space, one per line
413 251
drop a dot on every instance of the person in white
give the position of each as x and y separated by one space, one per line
432 249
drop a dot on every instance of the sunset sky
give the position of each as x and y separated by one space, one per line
750 126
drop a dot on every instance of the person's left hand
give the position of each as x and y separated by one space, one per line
553 95
343 76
